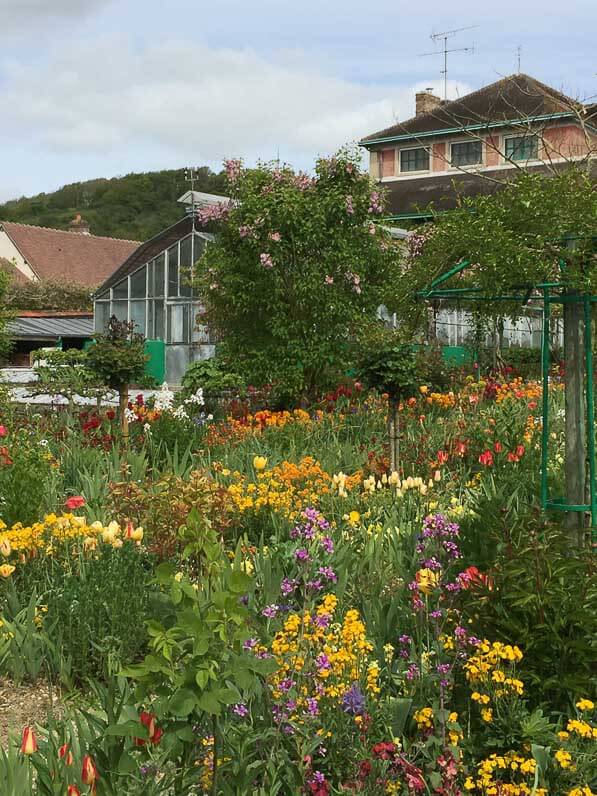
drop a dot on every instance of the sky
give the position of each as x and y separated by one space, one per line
99 88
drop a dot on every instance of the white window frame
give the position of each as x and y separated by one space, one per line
429 150
471 166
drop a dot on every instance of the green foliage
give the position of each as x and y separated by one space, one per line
5 315
387 364
118 357
134 207
48 294
27 479
212 376
297 264
514 238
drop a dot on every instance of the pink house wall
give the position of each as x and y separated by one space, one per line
565 141
439 157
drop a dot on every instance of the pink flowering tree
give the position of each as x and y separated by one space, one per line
298 265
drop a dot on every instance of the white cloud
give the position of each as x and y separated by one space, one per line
191 102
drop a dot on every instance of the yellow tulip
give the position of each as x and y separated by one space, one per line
5 548
6 570
137 534
259 462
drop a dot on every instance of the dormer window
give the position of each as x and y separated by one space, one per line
466 153
414 159
521 147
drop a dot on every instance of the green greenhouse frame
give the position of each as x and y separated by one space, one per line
549 293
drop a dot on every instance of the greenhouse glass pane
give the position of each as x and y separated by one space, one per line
159 331
173 271
138 316
138 286
121 289
158 276
102 315
120 310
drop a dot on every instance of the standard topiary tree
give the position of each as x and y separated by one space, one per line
118 357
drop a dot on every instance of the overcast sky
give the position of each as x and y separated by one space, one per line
93 88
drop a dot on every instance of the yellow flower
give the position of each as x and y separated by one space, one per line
5 548
582 704
354 517
178 577
427 580
137 534
6 570
259 462
423 389
487 715
564 758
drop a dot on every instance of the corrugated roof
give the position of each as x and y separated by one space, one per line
511 98
71 256
50 328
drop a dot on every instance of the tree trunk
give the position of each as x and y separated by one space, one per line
575 429
123 402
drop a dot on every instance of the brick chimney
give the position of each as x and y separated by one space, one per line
425 101
79 225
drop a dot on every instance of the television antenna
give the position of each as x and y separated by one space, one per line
190 176
445 35
518 57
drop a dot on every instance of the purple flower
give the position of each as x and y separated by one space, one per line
328 544
353 701
270 611
302 555
288 585
286 684
314 585
249 643
443 668
328 573
436 614
312 706
322 661
413 672
241 710
322 620
405 639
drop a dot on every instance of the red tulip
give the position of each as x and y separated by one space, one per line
89 772
3 431
72 790
520 450
29 741
65 754
486 458
74 502
155 733
473 577
442 457
498 448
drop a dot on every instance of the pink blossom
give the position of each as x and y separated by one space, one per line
275 236
372 229
329 280
266 260
233 169
375 204
303 181
245 231
349 206
216 212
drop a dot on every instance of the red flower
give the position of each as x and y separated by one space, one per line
29 741
473 577
384 750
155 734
110 414
72 790
364 769
89 772
520 450
442 457
74 502
486 458
498 447
3 431
65 754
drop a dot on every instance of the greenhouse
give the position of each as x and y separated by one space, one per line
152 288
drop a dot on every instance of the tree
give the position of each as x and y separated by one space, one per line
118 358
66 373
49 294
535 230
297 264
5 315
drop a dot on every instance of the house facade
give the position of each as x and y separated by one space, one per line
471 145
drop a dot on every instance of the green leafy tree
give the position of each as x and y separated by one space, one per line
66 373
49 294
5 315
297 264
118 358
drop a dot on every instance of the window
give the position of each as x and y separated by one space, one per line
178 323
138 316
121 289
121 310
102 315
387 161
522 147
414 159
173 271
467 153
158 275
186 263
138 289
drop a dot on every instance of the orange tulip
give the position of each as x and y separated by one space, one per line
72 790
64 753
29 741
89 772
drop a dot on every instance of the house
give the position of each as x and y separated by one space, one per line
31 254
152 288
72 256
472 145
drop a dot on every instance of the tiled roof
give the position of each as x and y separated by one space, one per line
71 256
414 196
515 97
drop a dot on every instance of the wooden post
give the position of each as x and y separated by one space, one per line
123 402
575 428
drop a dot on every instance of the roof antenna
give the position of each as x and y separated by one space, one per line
518 57
445 35
190 175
